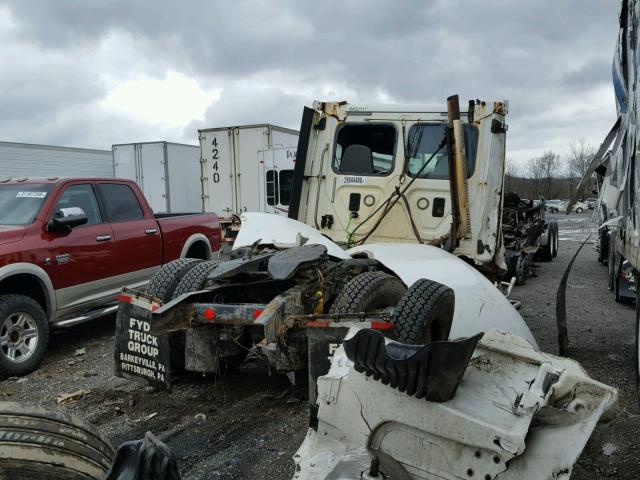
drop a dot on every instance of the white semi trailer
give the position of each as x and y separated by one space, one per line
30 160
166 172
246 168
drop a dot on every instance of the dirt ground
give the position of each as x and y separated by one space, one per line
249 424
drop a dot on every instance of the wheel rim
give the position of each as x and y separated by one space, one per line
18 337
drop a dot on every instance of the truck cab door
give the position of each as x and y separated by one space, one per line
79 261
137 237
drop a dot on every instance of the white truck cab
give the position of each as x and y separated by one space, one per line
380 174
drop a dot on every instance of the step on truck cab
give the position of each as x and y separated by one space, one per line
397 174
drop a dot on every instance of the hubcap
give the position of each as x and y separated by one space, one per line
18 337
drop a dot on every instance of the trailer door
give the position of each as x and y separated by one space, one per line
153 177
124 162
218 172
248 144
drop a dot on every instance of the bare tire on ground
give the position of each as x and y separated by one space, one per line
369 292
424 314
165 281
24 335
42 444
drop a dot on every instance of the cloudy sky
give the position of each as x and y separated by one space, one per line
91 74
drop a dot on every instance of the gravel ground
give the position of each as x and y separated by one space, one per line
249 424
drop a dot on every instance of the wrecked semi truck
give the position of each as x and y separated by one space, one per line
209 313
527 236
615 164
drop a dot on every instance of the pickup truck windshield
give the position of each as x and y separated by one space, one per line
424 140
21 203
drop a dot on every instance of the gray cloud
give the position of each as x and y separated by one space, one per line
272 57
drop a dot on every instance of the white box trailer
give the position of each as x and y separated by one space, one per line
19 160
168 173
246 168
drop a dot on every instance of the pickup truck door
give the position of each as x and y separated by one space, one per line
138 242
78 261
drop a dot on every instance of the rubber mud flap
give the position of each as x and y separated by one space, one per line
44 444
146 459
430 371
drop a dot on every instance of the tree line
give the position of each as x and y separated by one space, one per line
550 176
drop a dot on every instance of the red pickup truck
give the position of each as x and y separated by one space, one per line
68 246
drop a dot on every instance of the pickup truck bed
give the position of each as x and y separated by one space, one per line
67 247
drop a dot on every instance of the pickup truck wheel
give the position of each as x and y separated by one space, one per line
24 335
42 444
165 281
368 292
424 314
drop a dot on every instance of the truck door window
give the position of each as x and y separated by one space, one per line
286 185
81 196
271 180
423 141
365 149
122 204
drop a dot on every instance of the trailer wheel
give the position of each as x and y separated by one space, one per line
424 313
24 335
194 279
41 444
518 267
165 281
368 292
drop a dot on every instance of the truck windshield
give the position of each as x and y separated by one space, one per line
365 149
424 140
21 203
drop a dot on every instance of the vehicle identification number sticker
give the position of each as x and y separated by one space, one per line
349 180
31 194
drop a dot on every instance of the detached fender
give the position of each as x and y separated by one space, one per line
480 306
37 272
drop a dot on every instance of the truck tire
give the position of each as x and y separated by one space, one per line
368 292
424 313
518 267
42 444
194 279
24 335
545 252
165 281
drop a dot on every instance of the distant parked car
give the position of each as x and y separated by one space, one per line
552 205
579 207
591 202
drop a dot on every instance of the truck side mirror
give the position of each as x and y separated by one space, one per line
67 218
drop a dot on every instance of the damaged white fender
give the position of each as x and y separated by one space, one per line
480 306
517 414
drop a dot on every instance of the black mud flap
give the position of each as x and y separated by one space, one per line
139 355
